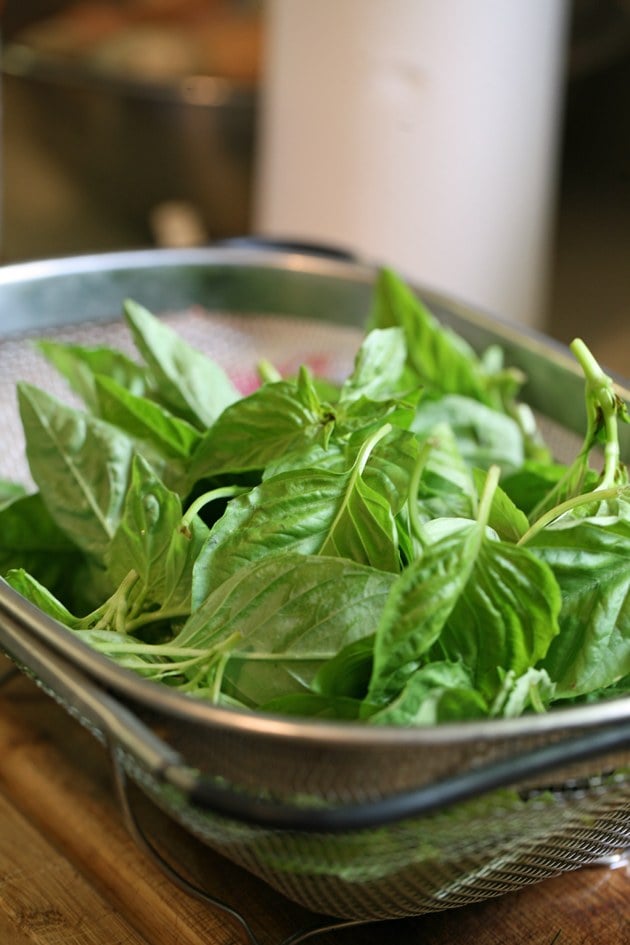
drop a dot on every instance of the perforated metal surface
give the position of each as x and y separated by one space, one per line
237 342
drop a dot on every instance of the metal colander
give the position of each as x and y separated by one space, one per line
346 820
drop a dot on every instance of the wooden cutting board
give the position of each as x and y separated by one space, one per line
71 875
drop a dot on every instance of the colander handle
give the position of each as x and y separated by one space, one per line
439 795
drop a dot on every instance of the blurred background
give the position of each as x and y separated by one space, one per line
482 149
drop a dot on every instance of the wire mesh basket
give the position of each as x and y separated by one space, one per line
355 822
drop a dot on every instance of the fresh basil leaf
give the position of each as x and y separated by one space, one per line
150 516
472 598
485 437
310 511
10 491
80 365
276 620
274 420
590 563
80 464
145 419
192 385
26 585
31 540
505 518
505 616
379 367
420 602
150 541
356 417
446 487
437 692
442 360
347 674
388 469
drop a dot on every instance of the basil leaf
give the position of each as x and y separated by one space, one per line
507 520
80 366
149 540
306 511
590 563
437 692
470 598
144 419
279 618
442 360
446 487
420 602
191 384
378 367
484 436
81 465
26 585
347 674
31 540
505 616
274 420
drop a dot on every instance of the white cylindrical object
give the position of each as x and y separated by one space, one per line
421 133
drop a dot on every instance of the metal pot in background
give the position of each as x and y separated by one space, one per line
98 157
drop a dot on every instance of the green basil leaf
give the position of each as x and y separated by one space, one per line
281 617
446 487
590 563
191 384
437 692
310 511
505 616
26 585
31 540
442 360
80 464
150 515
420 602
80 365
379 366
276 419
145 419
505 518
485 437
469 598
347 674
149 540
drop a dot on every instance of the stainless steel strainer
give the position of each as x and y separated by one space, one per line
346 820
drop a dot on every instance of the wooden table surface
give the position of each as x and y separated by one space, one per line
70 874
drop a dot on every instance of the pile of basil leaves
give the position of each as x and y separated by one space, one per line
399 548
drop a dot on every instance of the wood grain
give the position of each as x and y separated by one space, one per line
43 899
69 869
